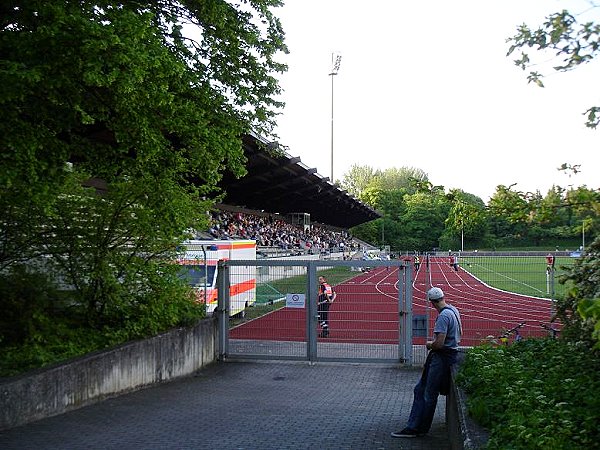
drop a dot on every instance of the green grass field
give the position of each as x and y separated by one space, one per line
521 274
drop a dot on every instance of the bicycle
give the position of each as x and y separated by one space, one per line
553 331
503 338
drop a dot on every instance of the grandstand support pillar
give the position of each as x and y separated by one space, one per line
222 309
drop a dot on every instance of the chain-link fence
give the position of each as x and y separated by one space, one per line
380 312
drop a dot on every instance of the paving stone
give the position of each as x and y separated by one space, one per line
247 405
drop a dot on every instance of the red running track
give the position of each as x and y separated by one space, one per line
366 309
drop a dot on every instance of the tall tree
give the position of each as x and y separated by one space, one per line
584 205
467 219
508 212
147 99
402 178
358 178
424 220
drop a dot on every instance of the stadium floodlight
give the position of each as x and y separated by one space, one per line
336 59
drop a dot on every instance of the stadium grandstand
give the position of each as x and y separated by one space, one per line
287 207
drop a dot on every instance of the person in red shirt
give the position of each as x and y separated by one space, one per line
549 263
454 261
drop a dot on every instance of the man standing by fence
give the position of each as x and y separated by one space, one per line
325 299
435 379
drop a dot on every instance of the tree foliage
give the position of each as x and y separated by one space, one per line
578 311
362 180
405 178
357 179
467 215
418 215
118 120
569 39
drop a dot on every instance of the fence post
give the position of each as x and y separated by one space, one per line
427 287
408 314
311 312
223 309
401 312
552 293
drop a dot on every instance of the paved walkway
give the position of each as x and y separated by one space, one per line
247 405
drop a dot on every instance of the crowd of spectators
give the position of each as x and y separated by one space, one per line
273 231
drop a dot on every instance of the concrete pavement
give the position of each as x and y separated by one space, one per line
247 405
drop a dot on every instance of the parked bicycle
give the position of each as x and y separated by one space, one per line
553 331
504 337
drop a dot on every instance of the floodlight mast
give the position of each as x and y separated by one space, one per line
336 59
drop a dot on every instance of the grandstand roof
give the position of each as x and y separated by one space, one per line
279 183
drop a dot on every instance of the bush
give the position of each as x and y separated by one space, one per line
26 298
584 279
535 394
41 325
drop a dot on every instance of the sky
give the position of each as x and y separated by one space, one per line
428 85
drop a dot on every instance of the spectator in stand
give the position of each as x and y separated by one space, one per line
272 232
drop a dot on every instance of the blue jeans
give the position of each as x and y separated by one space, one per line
435 373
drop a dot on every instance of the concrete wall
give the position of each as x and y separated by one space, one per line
101 375
463 432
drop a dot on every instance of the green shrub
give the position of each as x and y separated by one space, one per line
26 298
41 325
535 394
583 278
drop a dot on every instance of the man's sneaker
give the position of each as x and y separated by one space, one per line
407 433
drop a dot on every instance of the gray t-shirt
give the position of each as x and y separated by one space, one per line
448 322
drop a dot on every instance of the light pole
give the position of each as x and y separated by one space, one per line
583 235
462 235
461 215
336 59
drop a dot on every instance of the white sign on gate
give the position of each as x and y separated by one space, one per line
295 300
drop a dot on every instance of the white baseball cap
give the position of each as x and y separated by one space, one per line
435 294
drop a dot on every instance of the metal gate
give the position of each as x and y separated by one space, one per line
369 321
